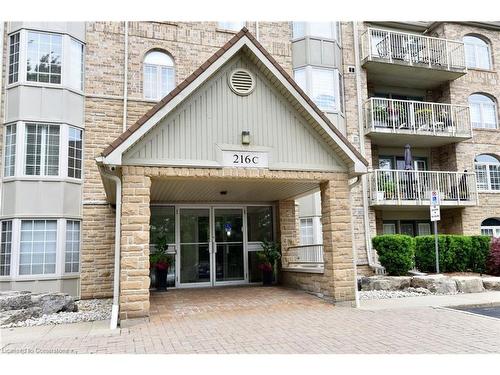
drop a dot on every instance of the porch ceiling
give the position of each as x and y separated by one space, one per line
209 190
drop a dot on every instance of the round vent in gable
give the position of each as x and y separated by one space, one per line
241 81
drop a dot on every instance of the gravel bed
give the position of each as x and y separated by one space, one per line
88 311
384 294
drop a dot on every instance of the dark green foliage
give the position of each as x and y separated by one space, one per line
456 253
395 252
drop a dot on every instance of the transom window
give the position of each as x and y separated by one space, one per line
483 111
323 85
326 30
490 227
42 150
37 254
233 26
159 75
487 172
43 63
477 53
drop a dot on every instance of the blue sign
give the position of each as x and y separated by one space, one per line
228 227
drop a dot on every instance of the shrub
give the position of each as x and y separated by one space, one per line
456 253
395 252
494 258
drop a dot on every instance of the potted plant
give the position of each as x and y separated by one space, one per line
160 262
268 257
423 117
389 189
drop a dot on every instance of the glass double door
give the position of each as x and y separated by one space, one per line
211 246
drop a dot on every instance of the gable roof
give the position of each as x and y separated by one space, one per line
244 37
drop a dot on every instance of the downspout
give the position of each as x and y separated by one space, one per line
3 90
354 252
257 34
116 277
125 79
366 218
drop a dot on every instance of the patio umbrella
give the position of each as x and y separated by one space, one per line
408 158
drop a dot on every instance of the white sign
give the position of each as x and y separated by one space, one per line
245 159
435 213
434 198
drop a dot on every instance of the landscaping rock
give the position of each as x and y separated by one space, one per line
53 302
491 283
469 284
11 300
14 316
436 284
385 283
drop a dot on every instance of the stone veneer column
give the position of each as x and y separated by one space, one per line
134 273
337 238
288 224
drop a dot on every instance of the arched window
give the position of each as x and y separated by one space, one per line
487 172
477 53
490 227
483 111
158 75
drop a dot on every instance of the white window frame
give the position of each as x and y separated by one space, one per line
337 90
159 78
15 64
306 226
2 243
481 112
43 149
336 32
316 230
65 62
19 169
60 251
476 46
14 138
487 169
233 26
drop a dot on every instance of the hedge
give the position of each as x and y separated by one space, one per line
399 253
396 252
456 253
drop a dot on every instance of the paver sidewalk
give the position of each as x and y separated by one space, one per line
266 320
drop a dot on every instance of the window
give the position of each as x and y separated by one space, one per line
483 111
389 228
306 231
75 153
76 65
43 62
162 224
10 151
233 26
407 227
477 53
72 251
14 58
42 150
37 253
5 248
322 85
325 30
260 223
490 227
487 172
158 75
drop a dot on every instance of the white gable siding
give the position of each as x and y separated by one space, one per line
214 115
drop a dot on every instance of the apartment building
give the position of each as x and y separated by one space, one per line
216 138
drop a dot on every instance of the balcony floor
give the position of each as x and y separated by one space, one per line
400 137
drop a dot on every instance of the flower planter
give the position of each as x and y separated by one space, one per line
161 279
267 278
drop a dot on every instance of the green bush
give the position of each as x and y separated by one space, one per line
456 253
395 252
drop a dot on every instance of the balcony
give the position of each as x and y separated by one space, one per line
397 188
417 123
304 258
410 60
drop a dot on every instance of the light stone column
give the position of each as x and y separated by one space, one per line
134 272
288 224
337 238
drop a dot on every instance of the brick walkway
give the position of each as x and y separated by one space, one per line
274 320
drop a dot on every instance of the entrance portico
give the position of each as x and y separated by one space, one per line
212 149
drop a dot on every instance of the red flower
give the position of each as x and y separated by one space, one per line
265 267
161 266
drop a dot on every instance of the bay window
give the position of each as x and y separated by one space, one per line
324 86
75 153
35 247
42 150
10 150
487 169
323 30
43 58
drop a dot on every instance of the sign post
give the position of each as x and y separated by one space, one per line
435 217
